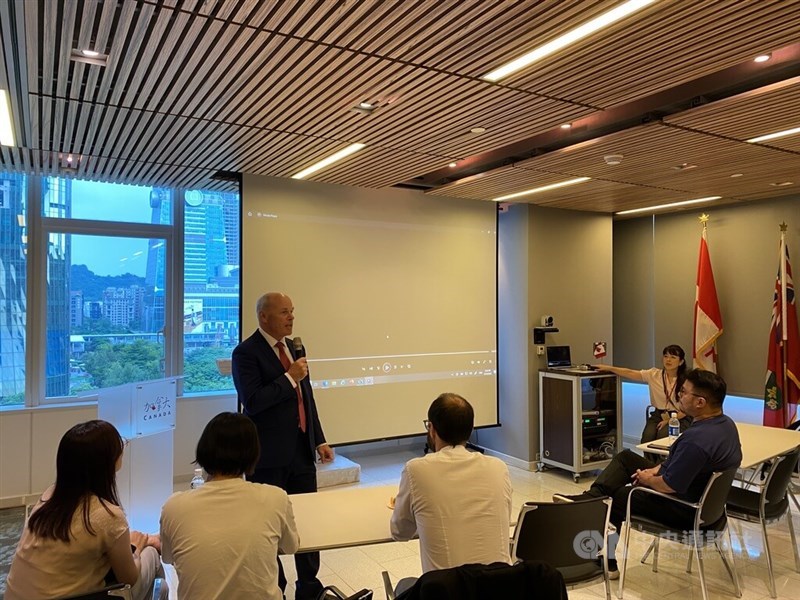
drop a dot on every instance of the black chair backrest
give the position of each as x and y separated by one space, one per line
497 581
780 476
550 532
714 498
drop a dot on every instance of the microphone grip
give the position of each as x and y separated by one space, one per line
299 351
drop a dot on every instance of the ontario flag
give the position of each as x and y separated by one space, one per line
782 389
707 316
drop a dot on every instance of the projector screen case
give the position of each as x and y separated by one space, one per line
394 295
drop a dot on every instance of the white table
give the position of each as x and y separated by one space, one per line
759 443
341 518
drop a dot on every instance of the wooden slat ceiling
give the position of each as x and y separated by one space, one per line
193 87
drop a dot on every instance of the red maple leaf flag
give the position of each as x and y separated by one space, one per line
707 316
782 388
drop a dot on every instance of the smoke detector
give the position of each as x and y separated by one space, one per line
613 159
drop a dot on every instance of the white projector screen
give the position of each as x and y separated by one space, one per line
394 294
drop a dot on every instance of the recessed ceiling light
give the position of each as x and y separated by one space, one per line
776 135
478 130
544 188
566 126
736 174
670 205
6 128
344 152
452 164
762 58
782 183
613 159
570 37
684 167
90 57
366 105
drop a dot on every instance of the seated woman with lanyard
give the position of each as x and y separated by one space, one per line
664 384
77 538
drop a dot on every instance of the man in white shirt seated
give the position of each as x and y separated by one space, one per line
223 537
457 501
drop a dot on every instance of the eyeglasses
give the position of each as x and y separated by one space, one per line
427 424
125 442
683 392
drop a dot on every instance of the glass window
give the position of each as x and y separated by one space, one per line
105 312
77 199
13 282
211 287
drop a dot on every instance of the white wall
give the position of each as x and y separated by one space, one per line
29 439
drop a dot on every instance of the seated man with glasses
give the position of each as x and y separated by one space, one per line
710 444
457 501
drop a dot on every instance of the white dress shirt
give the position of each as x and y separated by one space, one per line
459 502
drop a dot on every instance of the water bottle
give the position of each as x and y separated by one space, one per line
674 426
197 480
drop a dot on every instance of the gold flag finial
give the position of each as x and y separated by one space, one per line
783 227
703 219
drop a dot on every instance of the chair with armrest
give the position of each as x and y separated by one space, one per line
497 581
769 504
572 537
118 590
331 591
710 524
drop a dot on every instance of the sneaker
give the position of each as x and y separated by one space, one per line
566 499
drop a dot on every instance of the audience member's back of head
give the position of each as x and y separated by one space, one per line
452 417
228 446
709 385
86 465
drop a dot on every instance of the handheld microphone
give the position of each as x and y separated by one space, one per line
299 351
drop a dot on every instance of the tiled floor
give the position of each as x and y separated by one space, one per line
354 568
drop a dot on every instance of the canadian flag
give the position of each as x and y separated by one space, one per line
707 316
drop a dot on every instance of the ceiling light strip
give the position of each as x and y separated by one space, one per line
6 127
325 162
670 205
774 136
572 36
544 188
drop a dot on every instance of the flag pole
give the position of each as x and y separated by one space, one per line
784 327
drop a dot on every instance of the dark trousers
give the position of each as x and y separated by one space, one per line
298 477
651 431
614 482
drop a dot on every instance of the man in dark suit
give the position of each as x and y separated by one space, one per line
275 392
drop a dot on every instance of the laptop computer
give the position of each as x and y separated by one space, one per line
558 357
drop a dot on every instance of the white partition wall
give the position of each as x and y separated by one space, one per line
144 413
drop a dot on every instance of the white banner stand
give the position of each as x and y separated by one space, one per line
144 414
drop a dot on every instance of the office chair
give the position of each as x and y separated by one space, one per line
497 581
710 524
549 532
118 590
331 591
768 505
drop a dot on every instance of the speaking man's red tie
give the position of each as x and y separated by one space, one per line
301 410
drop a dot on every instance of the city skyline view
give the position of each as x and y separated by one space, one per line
106 294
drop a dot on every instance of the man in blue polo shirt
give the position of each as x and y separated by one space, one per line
710 444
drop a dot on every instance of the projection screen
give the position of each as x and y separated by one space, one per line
394 294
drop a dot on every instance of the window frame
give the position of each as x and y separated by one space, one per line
40 228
